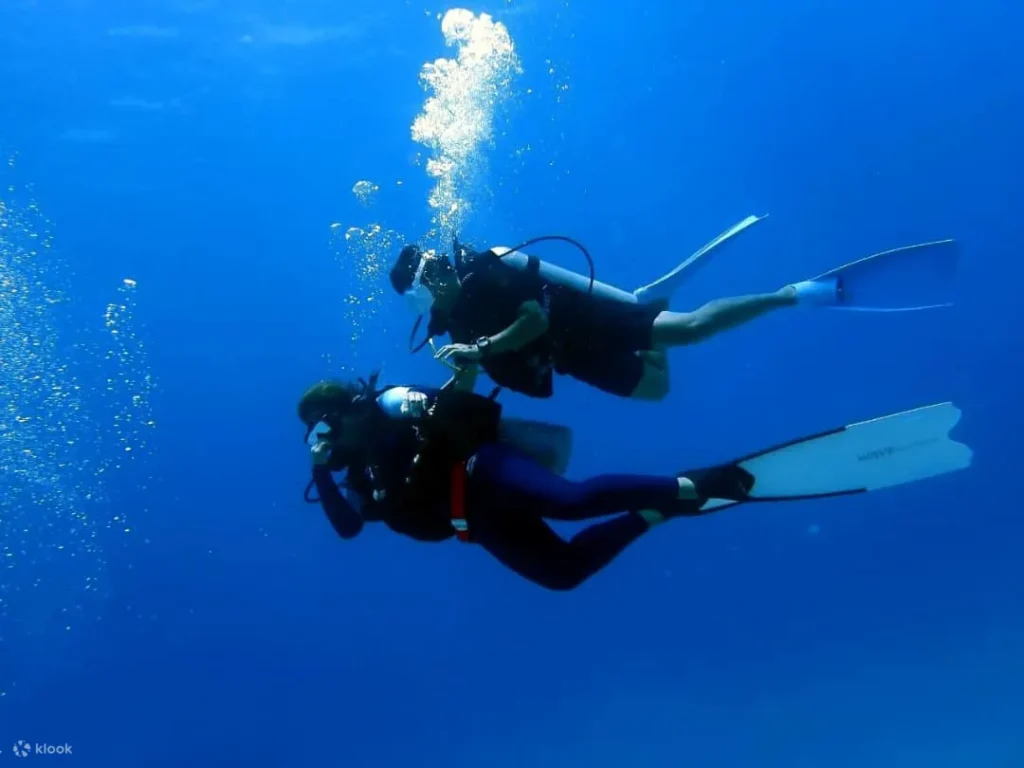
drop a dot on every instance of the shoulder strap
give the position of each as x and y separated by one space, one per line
469 261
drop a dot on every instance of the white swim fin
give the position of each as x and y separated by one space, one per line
907 279
867 456
664 287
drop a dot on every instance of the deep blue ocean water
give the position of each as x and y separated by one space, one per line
176 195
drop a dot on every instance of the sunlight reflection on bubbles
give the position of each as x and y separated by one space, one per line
365 255
456 122
365 191
61 440
458 118
129 384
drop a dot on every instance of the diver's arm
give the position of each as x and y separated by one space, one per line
347 522
530 326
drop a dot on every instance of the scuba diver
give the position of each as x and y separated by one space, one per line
436 463
523 320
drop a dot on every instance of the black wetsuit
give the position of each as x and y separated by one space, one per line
592 339
508 497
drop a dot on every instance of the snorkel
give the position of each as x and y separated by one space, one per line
418 296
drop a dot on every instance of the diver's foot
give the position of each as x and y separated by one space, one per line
729 482
822 292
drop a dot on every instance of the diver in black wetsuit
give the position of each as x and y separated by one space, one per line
523 328
432 464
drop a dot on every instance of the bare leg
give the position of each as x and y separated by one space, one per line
676 329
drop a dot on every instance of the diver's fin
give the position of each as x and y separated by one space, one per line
866 456
663 288
904 279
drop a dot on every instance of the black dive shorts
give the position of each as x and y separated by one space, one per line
598 341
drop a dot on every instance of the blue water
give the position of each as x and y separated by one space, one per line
183 606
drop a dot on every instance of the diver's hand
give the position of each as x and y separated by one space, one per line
320 453
459 353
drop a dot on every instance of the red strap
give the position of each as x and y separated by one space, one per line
458 501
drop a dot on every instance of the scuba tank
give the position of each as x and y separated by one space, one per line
551 273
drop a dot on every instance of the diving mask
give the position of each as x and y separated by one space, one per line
418 296
318 434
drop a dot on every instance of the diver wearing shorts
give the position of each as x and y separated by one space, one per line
522 327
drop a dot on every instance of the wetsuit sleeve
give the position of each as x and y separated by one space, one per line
347 522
